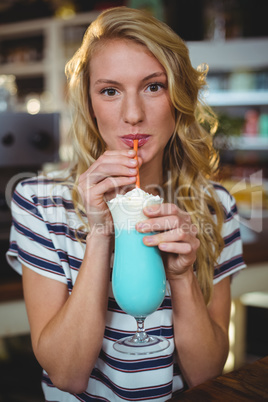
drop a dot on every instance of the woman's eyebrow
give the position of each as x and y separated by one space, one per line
155 75
106 81
113 82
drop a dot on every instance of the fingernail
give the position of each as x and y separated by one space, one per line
151 208
148 240
162 246
131 152
143 227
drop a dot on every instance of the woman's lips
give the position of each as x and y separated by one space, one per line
129 139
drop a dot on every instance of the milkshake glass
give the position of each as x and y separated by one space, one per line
138 279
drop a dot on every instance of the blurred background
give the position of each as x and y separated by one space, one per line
37 38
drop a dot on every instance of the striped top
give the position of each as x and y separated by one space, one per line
44 238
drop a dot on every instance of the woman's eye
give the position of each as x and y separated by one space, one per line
154 87
109 91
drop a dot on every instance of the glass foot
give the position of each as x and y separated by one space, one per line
136 345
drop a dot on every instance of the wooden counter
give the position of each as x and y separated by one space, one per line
257 251
250 383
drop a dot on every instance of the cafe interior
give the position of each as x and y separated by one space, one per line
37 38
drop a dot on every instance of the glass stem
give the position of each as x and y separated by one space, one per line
141 335
140 324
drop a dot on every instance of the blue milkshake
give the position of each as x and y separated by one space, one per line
138 279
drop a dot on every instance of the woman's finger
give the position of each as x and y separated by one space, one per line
107 171
109 165
163 210
175 235
178 248
109 184
166 223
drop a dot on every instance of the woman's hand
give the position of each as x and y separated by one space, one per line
176 237
101 181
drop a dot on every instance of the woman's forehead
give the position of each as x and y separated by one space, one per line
120 53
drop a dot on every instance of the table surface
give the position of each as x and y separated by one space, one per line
257 251
249 383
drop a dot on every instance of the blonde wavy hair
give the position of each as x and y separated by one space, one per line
189 157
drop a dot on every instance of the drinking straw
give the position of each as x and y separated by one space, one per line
136 144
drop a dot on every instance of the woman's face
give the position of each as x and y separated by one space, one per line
130 98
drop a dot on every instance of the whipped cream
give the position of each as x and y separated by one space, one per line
136 196
127 209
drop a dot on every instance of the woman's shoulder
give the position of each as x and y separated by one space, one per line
225 198
52 183
44 192
221 191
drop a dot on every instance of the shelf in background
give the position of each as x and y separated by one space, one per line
38 25
237 98
230 55
23 69
250 143
242 143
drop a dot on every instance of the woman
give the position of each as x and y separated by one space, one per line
131 78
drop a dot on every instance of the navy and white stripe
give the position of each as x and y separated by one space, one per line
44 238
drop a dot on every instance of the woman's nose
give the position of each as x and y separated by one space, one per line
133 111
